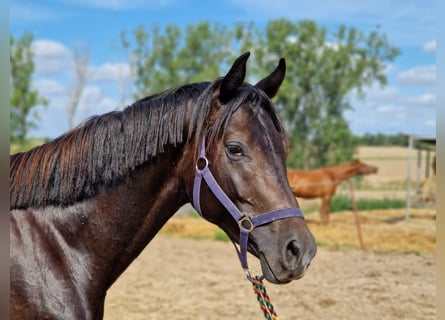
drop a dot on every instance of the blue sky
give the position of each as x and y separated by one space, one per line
407 104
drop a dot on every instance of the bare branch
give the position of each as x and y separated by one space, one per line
81 59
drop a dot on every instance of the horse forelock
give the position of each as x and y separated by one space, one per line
254 98
106 148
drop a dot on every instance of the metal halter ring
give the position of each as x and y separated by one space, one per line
246 223
199 161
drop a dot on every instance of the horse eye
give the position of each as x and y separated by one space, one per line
234 149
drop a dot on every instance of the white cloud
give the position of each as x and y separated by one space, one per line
54 117
425 100
94 101
378 94
49 87
393 110
390 118
109 72
385 108
385 99
49 48
91 96
430 47
50 56
53 57
423 75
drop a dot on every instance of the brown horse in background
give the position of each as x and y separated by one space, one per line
322 182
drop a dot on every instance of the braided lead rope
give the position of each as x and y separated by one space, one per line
263 298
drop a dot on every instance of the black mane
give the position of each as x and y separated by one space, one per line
106 148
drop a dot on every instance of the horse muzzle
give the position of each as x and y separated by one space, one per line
289 261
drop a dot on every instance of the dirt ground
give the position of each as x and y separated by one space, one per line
184 278
382 230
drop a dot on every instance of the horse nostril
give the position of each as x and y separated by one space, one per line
293 247
293 253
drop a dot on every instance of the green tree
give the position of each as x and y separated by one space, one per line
322 71
164 58
380 139
23 98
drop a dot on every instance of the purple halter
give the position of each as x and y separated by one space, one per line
246 222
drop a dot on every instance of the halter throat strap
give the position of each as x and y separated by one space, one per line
246 221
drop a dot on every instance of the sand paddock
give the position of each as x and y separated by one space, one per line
177 277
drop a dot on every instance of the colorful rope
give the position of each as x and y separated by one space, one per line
263 299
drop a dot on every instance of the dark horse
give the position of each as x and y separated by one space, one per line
85 205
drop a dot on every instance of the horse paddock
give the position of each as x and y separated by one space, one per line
184 274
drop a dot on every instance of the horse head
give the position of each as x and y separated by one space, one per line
246 152
362 168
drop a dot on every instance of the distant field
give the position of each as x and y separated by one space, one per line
392 163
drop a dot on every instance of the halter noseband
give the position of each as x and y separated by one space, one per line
246 221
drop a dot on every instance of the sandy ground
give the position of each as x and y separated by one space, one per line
382 230
395 278
177 278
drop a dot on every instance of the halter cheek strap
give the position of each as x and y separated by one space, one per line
246 222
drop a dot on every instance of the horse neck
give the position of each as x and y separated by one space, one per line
93 241
129 216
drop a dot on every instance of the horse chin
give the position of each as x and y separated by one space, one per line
269 274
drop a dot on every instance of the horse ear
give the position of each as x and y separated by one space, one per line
233 79
272 83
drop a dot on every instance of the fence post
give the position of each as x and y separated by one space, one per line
408 178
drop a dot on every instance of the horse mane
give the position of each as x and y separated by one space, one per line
106 148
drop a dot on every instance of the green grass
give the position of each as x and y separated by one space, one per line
221 236
312 208
27 145
343 203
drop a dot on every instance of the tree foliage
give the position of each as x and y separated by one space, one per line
323 70
23 98
380 139
169 57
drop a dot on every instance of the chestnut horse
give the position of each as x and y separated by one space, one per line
322 182
85 205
